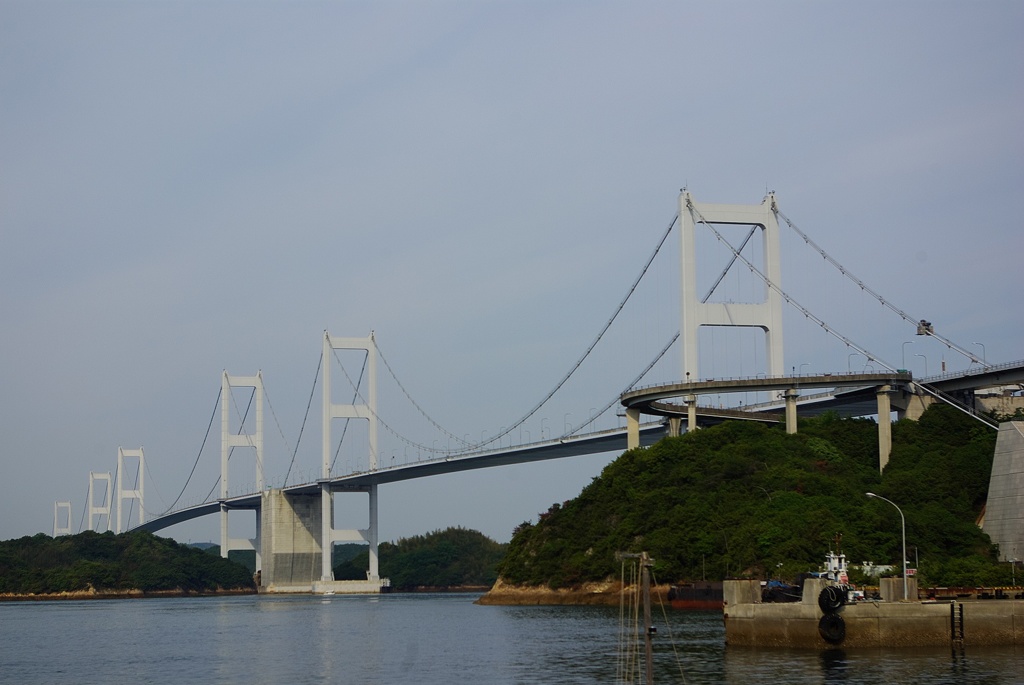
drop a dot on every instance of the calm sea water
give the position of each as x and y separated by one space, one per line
423 639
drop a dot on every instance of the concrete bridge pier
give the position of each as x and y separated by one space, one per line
291 541
791 396
632 428
884 425
691 413
298 538
675 426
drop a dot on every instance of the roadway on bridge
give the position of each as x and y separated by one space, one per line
573 446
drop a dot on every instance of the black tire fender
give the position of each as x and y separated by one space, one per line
831 598
832 628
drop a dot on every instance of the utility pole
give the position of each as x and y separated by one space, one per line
645 574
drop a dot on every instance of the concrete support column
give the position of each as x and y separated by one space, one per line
257 542
632 428
373 572
691 412
675 425
225 542
326 532
791 395
884 426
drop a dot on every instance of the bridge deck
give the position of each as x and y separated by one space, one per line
574 446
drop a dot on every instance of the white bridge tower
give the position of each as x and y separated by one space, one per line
766 315
367 409
61 518
229 441
135 493
103 509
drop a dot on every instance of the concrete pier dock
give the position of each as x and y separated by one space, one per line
751 623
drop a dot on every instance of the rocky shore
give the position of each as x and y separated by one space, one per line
607 593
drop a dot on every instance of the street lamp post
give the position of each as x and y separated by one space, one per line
984 359
849 357
903 348
903 530
925 363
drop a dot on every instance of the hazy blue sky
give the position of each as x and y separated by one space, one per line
188 187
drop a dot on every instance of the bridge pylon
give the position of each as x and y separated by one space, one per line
229 441
103 509
365 408
61 518
697 312
137 492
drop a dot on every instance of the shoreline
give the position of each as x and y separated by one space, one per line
134 593
607 593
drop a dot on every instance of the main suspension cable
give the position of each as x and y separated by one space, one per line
405 392
629 387
274 414
309 404
597 339
384 424
81 523
241 427
468 446
923 327
196 462
789 299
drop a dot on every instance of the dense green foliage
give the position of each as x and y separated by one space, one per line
104 561
244 557
745 499
454 557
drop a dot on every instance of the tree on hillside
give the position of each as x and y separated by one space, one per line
454 557
104 561
745 499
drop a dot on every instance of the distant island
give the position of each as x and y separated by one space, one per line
105 565
444 560
131 564
748 500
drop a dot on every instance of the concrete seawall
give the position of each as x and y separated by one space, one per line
750 623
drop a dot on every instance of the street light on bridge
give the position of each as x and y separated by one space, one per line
925 363
851 356
903 530
984 360
903 348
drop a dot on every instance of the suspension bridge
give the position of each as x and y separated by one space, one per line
295 522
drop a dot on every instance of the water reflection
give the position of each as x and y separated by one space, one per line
427 640
834 666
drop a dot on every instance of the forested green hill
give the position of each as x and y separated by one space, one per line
454 557
107 562
744 499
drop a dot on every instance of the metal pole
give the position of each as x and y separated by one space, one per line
645 566
903 531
